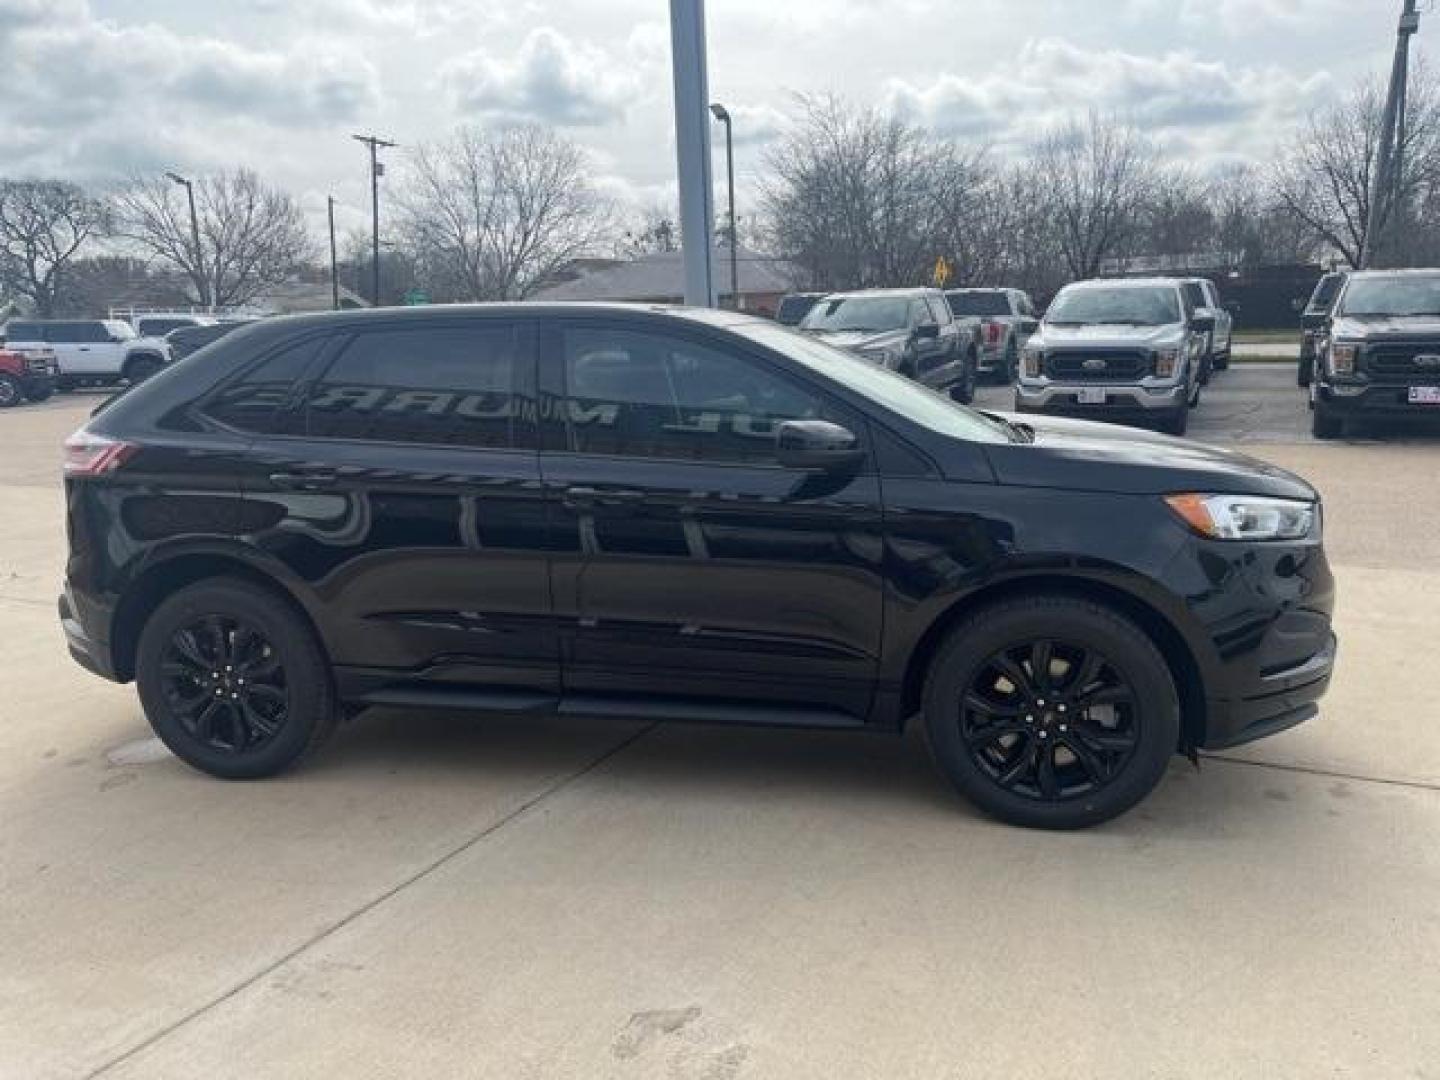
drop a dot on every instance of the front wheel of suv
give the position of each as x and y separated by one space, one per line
1051 712
233 680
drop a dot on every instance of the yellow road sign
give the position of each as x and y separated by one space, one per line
942 272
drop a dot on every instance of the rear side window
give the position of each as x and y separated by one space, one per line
448 386
75 333
22 331
261 400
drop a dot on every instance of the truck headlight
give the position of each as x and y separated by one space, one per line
886 358
1032 362
1167 362
1245 517
1342 358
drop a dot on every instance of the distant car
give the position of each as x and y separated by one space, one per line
1313 318
189 339
159 326
1129 350
795 307
1204 300
27 376
910 331
91 351
1007 319
1379 356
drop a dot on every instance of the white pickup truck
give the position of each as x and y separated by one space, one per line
90 351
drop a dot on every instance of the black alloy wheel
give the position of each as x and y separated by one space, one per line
1051 712
224 682
1049 720
233 679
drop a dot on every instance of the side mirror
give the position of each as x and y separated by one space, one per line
926 330
816 444
1202 324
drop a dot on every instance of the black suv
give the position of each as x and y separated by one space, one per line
1377 356
1313 317
648 512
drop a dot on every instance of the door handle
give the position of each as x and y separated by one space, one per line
316 480
589 496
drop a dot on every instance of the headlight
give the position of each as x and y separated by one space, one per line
1244 517
1032 363
1342 358
886 358
1167 362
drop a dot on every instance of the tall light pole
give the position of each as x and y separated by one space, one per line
723 115
201 281
376 171
1388 179
334 262
692 149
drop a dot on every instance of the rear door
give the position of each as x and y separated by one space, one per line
688 562
403 486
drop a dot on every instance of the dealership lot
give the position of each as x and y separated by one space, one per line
517 897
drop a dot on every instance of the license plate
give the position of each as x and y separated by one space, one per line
1425 395
1091 395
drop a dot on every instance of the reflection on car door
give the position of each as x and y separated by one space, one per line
403 486
688 562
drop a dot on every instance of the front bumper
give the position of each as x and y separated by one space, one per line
1279 700
1372 399
1120 398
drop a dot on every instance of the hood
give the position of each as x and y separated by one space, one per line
1099 334
1085 455
1399 326
855 340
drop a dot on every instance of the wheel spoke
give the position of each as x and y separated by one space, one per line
1040 654
188 646
1045 777
974 702
1108 695
205 722
1084 673
1112 741
1089 760
982 738
261 727
1014 673
1021 764
219 642
265 692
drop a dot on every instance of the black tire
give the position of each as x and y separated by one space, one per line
41 392
1010 365
1305 372
12 393
963 392
1178 422
1132 744
1222 361
1324 424
64 385
141 368
230 740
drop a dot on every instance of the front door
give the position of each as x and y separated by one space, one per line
404 490
688 562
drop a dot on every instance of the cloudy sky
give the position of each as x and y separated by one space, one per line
93 89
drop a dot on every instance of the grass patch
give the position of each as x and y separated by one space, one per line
1251 358
1267 337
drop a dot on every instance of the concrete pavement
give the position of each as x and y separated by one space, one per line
452 896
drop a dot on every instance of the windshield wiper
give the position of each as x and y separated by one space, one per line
1021 433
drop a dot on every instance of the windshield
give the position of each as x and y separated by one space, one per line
859 313
966 305
793 309
884 387
1150 305
1392 296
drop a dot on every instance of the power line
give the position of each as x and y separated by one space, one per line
376 171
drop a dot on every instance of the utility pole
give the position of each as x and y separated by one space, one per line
201 281
377 170
692 149
334 262
1389 159
723 115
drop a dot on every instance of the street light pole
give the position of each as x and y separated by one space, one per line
692 149
376 171
723 115
1387 178
202 283
334 262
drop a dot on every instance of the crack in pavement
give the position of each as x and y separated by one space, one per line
1315 770
371 904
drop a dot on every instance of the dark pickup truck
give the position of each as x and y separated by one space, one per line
1377 356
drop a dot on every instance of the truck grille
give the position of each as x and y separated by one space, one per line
1098 365
1401 363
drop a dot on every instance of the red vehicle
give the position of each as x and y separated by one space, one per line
27 376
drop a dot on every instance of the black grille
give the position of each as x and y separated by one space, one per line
1401 362
1098 365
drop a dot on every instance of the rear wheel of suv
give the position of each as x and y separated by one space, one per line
141 368
40 392
1051 712
11 392
233 680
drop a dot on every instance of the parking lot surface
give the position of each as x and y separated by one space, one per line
456 896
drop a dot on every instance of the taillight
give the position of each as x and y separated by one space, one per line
993 332
90 455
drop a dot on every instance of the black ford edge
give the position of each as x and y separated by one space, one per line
691 515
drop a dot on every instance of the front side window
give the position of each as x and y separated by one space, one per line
442 385
1120 305
1195 296
940 311
650 395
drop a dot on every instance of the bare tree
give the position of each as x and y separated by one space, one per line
1325 177
44 226
1250 226
654 233
495 216
1099 174
858 198
252 236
